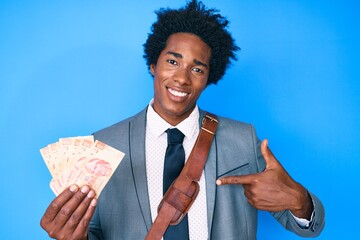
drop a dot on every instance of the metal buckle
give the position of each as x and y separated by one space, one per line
211 119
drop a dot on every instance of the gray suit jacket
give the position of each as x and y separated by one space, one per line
123 210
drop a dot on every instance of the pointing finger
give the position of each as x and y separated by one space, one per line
243 179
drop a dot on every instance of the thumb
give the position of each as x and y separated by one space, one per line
269 157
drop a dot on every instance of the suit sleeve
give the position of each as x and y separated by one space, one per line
316 225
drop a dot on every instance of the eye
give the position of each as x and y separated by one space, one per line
198 70
171 61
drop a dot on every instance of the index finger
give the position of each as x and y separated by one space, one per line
242 179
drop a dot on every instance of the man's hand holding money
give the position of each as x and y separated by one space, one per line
80 169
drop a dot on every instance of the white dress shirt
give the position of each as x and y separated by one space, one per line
155 147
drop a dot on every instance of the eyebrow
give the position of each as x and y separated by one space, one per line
178 55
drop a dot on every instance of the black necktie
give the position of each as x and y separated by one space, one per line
174 162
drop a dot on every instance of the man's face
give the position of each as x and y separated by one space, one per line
180 76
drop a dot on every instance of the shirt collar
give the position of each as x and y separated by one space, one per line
157 125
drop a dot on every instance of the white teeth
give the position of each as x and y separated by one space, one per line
176 93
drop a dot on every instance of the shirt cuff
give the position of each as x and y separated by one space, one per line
303 222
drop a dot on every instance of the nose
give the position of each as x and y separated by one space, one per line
182 76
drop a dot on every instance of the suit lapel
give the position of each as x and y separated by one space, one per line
137 158
210 178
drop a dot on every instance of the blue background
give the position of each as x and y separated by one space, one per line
69 68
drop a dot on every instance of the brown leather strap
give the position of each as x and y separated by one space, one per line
182 193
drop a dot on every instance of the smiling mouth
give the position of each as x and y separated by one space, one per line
177 93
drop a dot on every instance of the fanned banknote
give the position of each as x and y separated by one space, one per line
82 161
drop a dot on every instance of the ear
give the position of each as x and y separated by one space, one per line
152 69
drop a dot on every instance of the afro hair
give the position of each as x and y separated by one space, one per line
194 18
